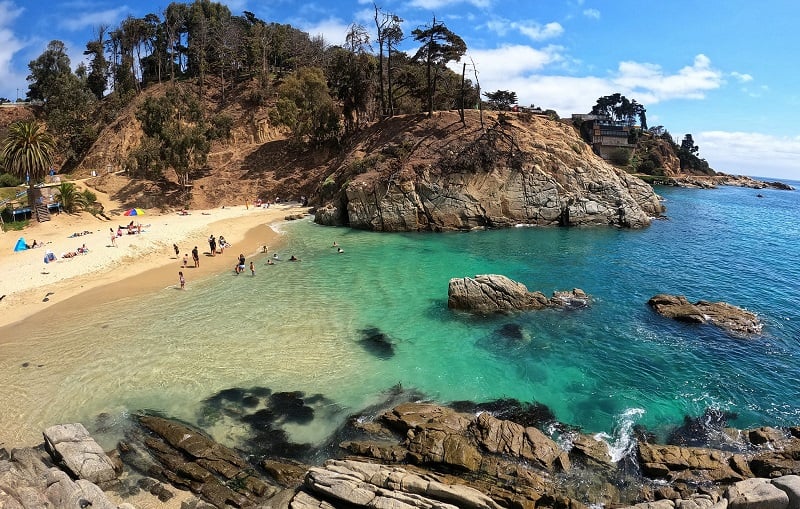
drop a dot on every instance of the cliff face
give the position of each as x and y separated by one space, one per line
418 173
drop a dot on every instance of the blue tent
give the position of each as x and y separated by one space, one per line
21 245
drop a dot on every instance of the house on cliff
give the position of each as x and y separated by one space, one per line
603 133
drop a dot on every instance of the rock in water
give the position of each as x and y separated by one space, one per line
493 293
720 314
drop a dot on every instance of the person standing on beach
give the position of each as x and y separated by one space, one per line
252 269
185 260
212 245
113 237
181 279
196 257
177 251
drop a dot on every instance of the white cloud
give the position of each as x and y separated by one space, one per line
93 19
438 4
332 30
592 13
754 154
10 44
742 78
521 68
529 29
650 84
510 61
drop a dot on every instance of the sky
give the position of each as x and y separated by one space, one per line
725 71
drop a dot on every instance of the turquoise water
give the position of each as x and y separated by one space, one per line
299 326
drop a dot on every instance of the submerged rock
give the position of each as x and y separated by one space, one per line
720 314
377 343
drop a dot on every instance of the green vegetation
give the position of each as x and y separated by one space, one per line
27 153
9 180
319 92
620 156
501 100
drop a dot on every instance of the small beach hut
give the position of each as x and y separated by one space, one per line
21 245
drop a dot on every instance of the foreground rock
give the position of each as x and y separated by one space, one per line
31 479
414 173
188 459
720 314
492 293
427 456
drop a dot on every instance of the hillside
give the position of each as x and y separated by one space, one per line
409 172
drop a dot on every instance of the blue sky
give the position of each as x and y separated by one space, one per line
725 71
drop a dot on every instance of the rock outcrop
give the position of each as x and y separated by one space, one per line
72 446
424 456
720 314
30 477
418 173
188 459
493 293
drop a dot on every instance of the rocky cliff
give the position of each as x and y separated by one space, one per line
418 173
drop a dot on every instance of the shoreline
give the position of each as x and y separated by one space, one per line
138 265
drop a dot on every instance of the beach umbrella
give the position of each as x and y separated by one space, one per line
134 212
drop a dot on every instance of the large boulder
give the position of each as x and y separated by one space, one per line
72 446
494 293
756 493
720 314
360 484
695 465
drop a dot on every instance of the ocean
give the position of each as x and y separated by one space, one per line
338 333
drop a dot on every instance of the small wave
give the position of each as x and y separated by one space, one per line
622 441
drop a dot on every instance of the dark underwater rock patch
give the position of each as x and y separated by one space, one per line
526 414
377 343
702 431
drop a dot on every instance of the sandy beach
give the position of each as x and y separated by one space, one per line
138 263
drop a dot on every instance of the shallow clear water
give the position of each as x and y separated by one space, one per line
300 326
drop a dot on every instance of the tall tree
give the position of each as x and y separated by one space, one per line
27 152
46 69
97 79
439 46
306 107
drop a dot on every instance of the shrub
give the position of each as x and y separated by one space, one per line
9 180
620 156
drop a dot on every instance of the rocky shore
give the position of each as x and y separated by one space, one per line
501 454
722 179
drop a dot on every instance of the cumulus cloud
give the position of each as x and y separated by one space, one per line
511 60
332 30
651 84
754 154
522 69
529 29
94 18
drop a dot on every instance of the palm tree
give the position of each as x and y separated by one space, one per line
70 197
27 153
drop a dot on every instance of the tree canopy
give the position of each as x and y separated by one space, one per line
501 100
618 108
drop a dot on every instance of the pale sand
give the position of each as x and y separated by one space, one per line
138 264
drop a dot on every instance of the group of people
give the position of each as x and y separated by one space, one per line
217 246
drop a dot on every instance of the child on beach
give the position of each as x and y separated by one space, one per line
185 259
252 269
181 279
